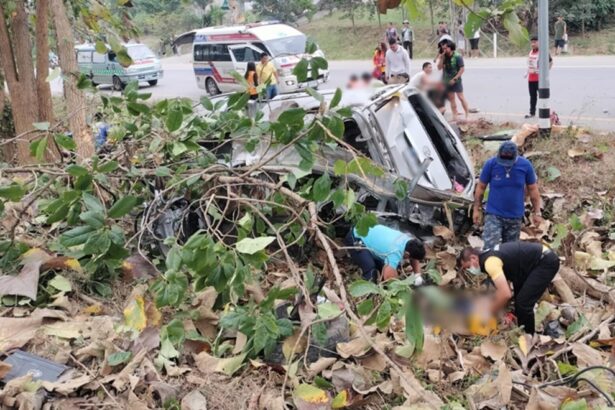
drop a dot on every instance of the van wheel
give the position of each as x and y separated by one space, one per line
212 87
118 85
152 82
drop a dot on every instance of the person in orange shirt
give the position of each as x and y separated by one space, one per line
379 61
252 80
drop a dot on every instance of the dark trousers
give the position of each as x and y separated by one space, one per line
363 258
532 289
408 46
533 85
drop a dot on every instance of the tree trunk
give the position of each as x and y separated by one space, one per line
75 99
16 60
433 22
45 108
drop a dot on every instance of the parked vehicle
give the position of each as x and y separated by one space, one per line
105 69
219 51
399 129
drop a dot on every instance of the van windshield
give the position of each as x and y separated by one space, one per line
140 52
287 45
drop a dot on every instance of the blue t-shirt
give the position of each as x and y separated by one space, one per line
385 243
507 187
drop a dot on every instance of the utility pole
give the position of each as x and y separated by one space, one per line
544 91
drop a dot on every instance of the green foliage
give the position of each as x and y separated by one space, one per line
287 11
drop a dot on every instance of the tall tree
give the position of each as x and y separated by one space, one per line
75 98
16 60
45 108
284 10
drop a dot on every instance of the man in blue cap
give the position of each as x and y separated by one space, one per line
507 175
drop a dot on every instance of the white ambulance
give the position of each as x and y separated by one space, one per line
218 51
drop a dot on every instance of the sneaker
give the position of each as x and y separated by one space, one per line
529 116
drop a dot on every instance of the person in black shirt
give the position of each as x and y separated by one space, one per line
530 267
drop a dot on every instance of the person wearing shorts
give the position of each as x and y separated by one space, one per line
452 65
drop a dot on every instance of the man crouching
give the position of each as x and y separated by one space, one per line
529 266
380 252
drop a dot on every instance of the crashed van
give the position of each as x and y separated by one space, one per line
399 129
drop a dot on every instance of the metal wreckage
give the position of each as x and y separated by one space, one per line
396 127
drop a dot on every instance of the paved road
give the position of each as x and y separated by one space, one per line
582 88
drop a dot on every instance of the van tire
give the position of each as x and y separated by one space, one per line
212 87
152 82
118 85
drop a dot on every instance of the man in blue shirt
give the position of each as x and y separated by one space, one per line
382 250
507 175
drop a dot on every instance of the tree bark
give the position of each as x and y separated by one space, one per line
75 98
16 60
45 108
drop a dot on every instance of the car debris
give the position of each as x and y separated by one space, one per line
400 130
24 363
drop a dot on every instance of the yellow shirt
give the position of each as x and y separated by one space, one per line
266 73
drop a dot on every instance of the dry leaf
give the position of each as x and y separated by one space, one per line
207 363
4 369
525 344
320 365
586 356
134 314
293 345
493 350
137 267
16 332
308 397
194 401
26 282
353 348
67 387
443 232
575 152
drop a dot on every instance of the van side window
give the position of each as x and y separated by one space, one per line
202 52
261 46
98 58
111 55
245 55
221 52
84 57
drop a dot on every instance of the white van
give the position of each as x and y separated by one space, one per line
105 69
218 51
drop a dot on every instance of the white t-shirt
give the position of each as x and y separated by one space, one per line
476 34
417 80
397 62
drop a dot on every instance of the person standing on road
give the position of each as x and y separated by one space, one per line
461 40
268 75
379 61
508 175
452 65
474 50
252 80
397 64
407 36
561 30
532 75
391 34
530 267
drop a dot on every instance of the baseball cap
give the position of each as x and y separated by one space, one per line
507 154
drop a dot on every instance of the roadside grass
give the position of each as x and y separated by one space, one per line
336 37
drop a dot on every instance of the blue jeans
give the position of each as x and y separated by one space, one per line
271 91
499 230
370 265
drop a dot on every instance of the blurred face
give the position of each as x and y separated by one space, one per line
447 50
472 263
534 44
428 69
394 47
264 59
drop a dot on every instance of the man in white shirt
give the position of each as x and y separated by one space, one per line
397 64
434 89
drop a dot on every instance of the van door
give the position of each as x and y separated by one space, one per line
84 60
222 67
242 54
99 69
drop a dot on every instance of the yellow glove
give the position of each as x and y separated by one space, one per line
480 325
